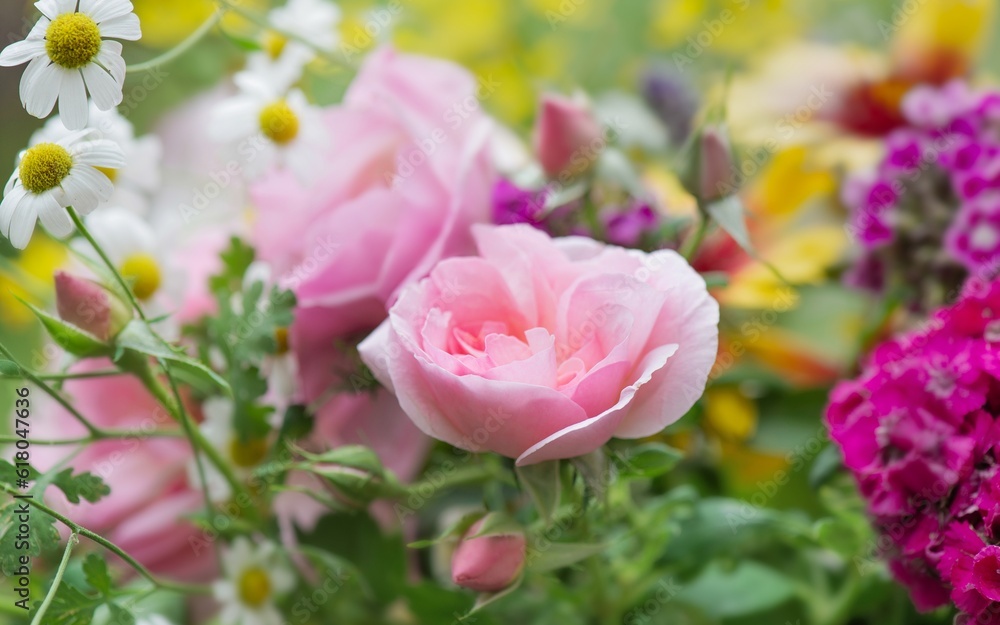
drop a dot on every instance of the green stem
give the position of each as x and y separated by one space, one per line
51 392
263 22
110 546
42 609
175 406
692 245
104 373
107 261
843 604
101 435
179 49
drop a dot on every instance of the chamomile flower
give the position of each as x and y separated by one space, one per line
270 127
140 177
244 456
52 176
255 575
312 22
69 52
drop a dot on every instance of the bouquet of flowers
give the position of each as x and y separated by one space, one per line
330 335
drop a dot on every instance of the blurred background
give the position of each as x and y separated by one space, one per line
772 65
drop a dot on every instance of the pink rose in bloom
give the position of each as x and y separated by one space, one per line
541 349
488 563
146 512
407 173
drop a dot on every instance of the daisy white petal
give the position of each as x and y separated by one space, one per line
7 188
7 207
123 27
22 222
40 89
52 8
85 196
54 218
100 11
110 57
21 52
95 180
106 92
73 109
99 153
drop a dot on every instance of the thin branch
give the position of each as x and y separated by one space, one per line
73 540
179 49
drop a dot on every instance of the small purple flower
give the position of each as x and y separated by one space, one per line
628 227
514 205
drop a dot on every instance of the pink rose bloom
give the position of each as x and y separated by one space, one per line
541 349
408 171
145 514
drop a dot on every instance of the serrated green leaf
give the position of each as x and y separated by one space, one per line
96 571
69 337
560 555
120 616
70 606
542 481
80 486
137 336
41 534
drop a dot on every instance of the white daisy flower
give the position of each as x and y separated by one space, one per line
140 177
270 127
141 255
243 456
254 576
52 176
282 59
69 52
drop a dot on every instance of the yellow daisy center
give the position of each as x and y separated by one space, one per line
72 40
44 167
274 44
249 453
281 338
279 123
144 273
254 587
110 172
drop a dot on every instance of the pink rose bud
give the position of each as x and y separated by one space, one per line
90 306
716 164
488 563
564 132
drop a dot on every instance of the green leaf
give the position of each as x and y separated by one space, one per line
487 598
139 338
120 616
69 337
560 555
498 524
236 259
729 214
41 534
457 530
748 589
543 484
9 369
80 486
70 606
826 464
838 535
96 571
649 460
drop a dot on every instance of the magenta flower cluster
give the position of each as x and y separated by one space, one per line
919 431
938 186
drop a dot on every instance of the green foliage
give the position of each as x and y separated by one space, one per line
69 337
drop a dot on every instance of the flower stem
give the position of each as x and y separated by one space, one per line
179 49
110 546
102 435
107 261
692 245
42 609
51 392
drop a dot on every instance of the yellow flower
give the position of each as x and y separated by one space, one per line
29 278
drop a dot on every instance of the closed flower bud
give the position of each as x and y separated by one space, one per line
716 164
90 306
564 132
488 563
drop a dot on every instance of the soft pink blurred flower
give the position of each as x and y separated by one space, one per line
563 130
146 512
488 563
542 349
